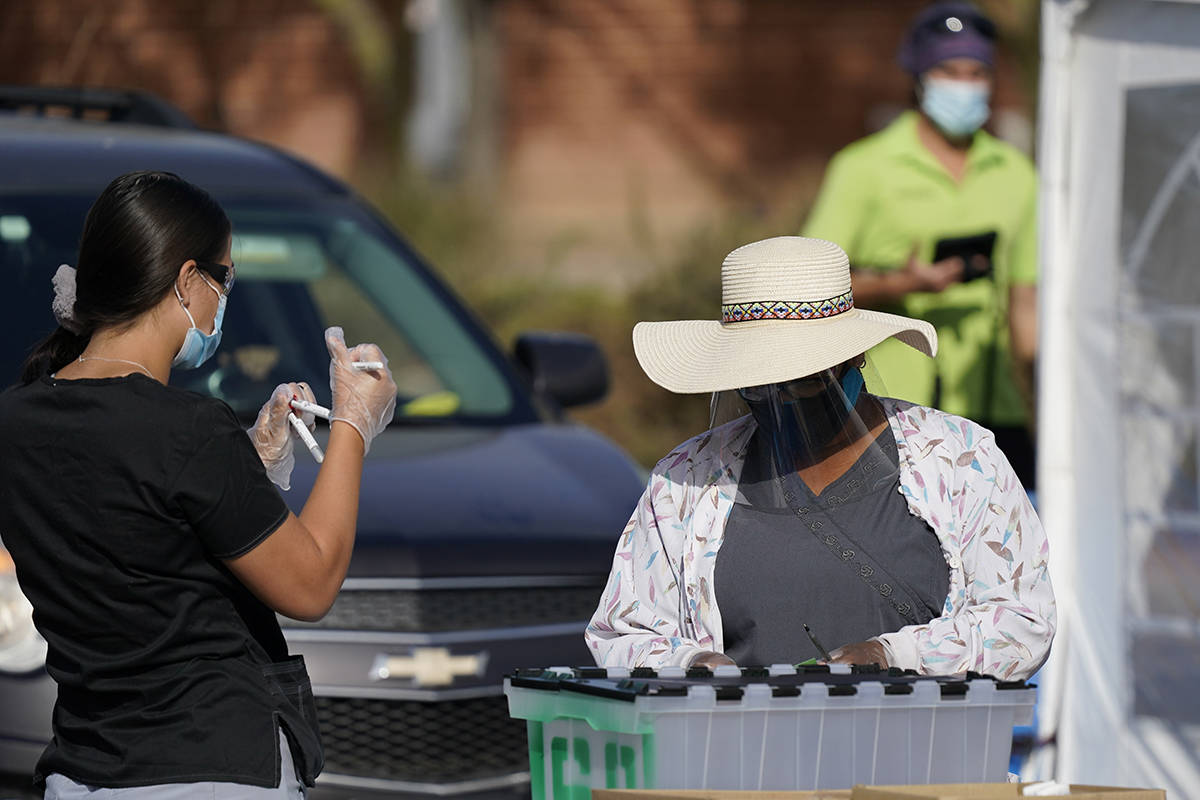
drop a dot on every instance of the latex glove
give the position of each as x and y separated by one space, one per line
365 399
272 433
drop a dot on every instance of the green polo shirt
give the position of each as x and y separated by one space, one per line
886 193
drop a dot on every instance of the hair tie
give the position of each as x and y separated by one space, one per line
63 305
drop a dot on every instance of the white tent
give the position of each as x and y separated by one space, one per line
1119 480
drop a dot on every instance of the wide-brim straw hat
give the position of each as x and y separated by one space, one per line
787 311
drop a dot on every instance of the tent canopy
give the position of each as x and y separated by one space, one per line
1119 390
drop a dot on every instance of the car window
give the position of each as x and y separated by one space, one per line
36 235
300 269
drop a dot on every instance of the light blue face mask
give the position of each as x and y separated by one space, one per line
198 347
958 108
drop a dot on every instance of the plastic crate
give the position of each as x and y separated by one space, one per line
761 728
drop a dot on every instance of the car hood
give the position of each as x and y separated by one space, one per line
527 499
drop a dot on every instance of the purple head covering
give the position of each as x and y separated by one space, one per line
947 30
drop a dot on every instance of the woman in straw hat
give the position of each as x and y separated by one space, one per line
820 511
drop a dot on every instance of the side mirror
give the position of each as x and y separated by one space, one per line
568 368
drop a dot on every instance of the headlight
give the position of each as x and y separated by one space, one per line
22 649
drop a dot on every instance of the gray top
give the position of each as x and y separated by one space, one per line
852 564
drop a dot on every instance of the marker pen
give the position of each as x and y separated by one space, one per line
311 408
306 437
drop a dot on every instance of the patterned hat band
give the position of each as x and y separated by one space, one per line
788 309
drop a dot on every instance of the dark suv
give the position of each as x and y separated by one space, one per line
487 522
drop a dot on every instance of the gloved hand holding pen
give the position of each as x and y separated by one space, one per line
363 398
272 433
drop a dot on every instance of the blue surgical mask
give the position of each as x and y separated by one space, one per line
852 386
198 347
958 108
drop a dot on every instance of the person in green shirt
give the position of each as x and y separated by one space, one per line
933 174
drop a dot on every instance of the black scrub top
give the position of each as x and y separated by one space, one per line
119 498
852 564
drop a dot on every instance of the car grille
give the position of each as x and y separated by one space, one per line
433 610
403 740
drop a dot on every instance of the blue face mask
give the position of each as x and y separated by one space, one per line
958 108
198 347
852 386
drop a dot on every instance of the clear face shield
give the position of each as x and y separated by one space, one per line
821 439
818 496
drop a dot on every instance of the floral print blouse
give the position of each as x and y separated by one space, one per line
659 607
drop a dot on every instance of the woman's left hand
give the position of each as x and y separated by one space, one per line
868 652
272 433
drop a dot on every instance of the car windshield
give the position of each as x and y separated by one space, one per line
302 265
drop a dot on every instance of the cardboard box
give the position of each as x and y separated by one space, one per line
995 791
704 794
943 791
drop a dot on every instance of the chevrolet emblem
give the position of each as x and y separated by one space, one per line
428 666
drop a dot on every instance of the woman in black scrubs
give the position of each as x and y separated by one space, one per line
145 531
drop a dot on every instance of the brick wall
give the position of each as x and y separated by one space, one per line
274 70
611 121
682 105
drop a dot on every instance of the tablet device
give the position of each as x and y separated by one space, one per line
966 247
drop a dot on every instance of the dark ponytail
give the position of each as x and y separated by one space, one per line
54 352
137 235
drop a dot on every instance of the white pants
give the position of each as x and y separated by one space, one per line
60 787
